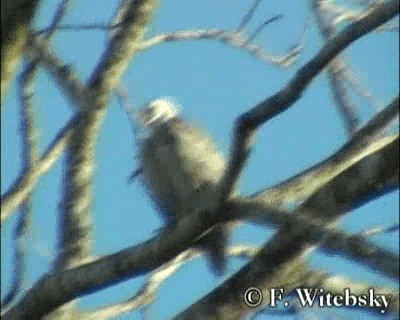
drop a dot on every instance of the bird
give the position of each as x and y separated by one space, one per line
181 168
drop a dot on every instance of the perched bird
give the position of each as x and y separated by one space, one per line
181 169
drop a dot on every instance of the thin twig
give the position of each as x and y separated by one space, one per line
59 15
64 74
123 99
361 90
231 38
29 160
27 180
247 17
96 26
22 187
380 230
263 25
336 72
247 124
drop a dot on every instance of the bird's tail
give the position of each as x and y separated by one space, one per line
215 243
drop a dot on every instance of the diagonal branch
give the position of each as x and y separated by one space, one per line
296 239
63 74
336 71
247 17
16 17
263 25
299 187
247 124
29 159
29 178
362 251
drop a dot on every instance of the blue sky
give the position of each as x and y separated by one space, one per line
214 83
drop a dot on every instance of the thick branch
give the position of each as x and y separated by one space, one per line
16 16
299 187
295 240
122 46
29 159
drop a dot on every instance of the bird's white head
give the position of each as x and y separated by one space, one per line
157 112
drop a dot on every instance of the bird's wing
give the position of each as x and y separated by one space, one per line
152 155
181 167
196 165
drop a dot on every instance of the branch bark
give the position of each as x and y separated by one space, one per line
16 17
269 269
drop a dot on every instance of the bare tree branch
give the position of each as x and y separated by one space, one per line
360 250
352 79
248 122
234 39
263 25
28 179
391 27
16 17
336 70
247 17
148 292
333 240
95 26
299 187
68 309
294 241
122 46
279 215
29 160
380 230
63 74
